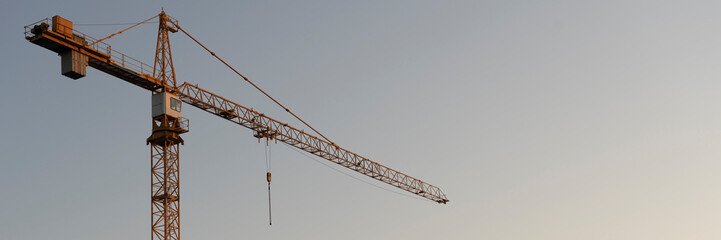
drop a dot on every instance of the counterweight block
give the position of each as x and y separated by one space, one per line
73 64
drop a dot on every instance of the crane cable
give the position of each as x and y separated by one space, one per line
107 24
121 31
268 149
251 83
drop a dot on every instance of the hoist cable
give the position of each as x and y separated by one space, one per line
268 152
270 215
251 83
268 155
270 159
265 150
121 31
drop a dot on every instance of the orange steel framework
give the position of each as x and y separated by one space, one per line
165 190
165 138
165 147
163 68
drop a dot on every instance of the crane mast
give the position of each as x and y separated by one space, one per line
78 51
165 142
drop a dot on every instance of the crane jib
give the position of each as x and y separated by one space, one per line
283 132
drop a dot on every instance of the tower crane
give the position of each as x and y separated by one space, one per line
78 50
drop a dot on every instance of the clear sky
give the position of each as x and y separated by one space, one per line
540 120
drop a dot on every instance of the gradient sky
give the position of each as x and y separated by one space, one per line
540 120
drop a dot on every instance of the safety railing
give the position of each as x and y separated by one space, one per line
184 124
29 28
130 63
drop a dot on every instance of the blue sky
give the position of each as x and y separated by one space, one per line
539 120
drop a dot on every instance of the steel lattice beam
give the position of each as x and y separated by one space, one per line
258 122
165 192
